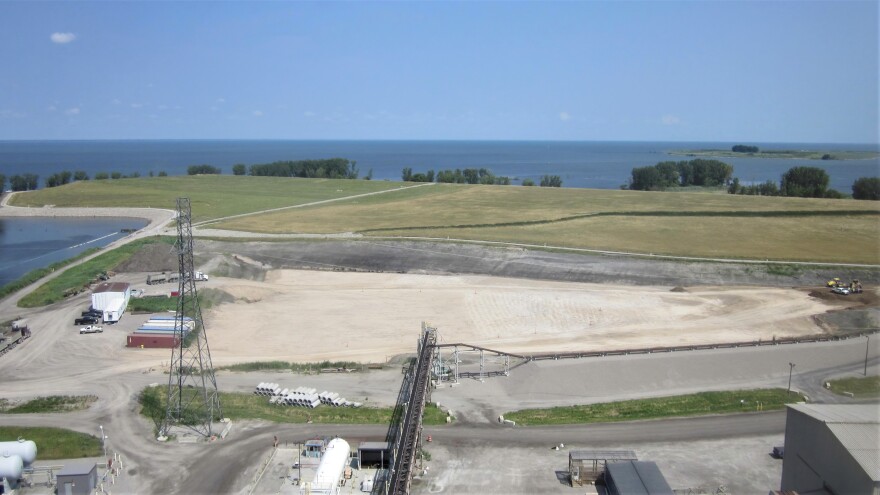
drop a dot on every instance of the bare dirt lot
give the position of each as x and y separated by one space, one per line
314 300
313 315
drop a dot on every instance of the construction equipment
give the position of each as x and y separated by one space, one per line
834 282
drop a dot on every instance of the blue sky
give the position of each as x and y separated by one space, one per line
658 71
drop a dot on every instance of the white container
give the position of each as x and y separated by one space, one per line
25 449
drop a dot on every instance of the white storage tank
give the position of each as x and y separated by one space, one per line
11 468
333 463
25 449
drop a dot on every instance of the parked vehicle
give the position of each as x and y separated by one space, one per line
85 320
93 312
844 291
91 329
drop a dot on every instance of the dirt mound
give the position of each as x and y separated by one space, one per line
159 257
678 289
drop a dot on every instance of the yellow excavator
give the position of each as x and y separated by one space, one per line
834 282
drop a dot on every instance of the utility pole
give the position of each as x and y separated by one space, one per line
867 346
790 369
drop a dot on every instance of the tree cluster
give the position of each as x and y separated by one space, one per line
329 168
698 172
457 176
24 182
551 181
742 148
802 182
202 170
866 188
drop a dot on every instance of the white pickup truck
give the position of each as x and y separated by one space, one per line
92 329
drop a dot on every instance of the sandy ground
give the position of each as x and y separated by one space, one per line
313 316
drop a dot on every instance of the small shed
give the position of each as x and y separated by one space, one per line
373 454
314 448
636 478
111 298
77 478
585 466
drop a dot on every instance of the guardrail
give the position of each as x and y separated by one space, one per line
695 347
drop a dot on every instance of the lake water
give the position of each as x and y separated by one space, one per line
30 243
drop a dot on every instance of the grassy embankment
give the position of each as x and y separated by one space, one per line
799 154
703 403
860 388
55 443
306 368
211 196
50 404
665 223
249 406
80 275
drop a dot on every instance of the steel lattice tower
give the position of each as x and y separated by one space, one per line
193 401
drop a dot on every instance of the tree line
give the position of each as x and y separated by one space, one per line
808 182
30 182
472 176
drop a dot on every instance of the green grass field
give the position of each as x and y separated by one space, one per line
50 404
249 406
55 443
699 224
210 196
80 275
861 388
703 403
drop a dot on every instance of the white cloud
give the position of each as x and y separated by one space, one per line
309 113
116 101
163 107
257 113
72 111
137 105
563 116
51 108
221 100
62 38
670 120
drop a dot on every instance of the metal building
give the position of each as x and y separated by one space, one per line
635 478
111 298
77 478
832 448
372 454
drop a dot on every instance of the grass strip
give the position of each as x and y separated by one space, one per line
293 367
81 275
865 387
50 404
34 275
55 443
237 405
736 401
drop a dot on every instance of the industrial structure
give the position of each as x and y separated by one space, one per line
832 448
77 478
587 466
635 478
336 457
405 432
193 399
111 299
